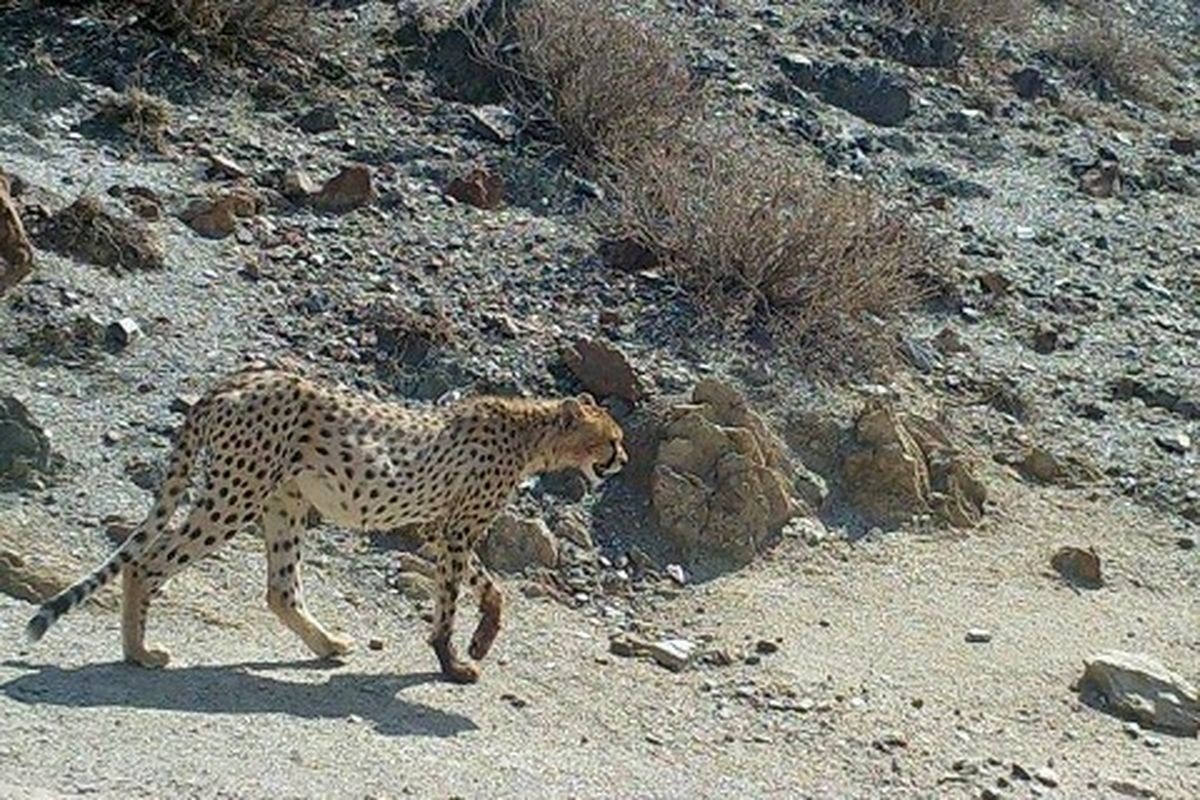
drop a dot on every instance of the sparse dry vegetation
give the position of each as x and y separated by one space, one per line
141 115
976 17
1104 48
228 25
608 82
759 236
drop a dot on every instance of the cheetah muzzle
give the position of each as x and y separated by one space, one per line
278 445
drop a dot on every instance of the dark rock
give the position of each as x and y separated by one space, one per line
320 119
919 47
1031 83
1078 566
865 90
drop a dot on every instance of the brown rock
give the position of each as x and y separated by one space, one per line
1184 145
1079 567
349 189
1101 180
1056 469
603 370
216 217
16 251
89 232
478 188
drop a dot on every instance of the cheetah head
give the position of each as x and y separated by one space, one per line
589 439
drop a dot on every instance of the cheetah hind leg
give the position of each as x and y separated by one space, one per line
282 529
135 602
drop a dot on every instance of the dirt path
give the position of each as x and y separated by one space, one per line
873 690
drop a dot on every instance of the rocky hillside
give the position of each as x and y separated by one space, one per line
861 280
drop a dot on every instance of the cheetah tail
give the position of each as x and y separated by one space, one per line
183 459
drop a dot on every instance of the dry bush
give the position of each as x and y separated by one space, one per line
141 115
1108 49
608 82
229 25
761 238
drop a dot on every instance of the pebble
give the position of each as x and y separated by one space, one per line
1046 776
979 635
375 644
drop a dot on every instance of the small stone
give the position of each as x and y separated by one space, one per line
221 166
515 543
122 333
1046 776
1078 566
1137 687
297 185
604 370
674 654
497 122
320 119
1186 543
1184 145
766 647
375 643
183 403
979 635
1177 442
676 573
479 188
349 189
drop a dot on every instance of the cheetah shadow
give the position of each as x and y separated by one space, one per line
240 689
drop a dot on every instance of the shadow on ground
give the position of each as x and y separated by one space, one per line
239 689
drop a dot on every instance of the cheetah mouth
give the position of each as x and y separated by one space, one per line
596 471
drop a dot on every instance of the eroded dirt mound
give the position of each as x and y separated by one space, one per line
902 465
16 252
89 232
723 484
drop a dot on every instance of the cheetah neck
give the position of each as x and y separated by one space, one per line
534 425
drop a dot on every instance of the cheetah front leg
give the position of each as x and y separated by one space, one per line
452 558
491 603
283 515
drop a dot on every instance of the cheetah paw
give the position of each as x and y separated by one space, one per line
151 658
461 672
334 646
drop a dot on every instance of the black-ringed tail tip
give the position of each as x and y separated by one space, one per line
46 616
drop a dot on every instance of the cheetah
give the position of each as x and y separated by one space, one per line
279 444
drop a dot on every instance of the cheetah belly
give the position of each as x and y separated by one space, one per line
333 504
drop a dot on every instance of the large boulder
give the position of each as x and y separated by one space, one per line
901 465
722 484
1138 687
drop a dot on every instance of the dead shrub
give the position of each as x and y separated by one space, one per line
1106 49
228 25
606 82
763 239
142 116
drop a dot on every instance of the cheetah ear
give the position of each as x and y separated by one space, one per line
585 398
571 413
